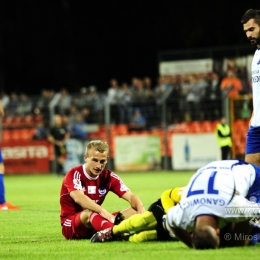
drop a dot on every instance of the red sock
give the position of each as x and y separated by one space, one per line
98 222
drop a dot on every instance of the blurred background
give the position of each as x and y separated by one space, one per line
152 75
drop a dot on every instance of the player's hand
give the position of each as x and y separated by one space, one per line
140 210
105 214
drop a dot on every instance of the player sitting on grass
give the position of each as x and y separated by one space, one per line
83 191
146 226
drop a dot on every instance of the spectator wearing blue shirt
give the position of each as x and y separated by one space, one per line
79 128
138 122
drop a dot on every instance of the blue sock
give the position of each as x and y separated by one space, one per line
2 189
255 235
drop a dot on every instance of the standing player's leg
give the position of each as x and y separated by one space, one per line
3 204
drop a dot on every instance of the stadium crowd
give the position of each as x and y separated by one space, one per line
191 97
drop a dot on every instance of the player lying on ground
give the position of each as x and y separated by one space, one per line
146 226
216 206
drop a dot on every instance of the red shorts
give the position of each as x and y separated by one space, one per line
73 228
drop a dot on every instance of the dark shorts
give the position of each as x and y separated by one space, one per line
157 209
253 140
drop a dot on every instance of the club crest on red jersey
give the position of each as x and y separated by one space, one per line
102 191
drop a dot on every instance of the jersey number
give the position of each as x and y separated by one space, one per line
210 189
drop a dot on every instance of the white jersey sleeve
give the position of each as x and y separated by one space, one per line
256 88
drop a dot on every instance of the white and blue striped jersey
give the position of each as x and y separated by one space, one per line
213 188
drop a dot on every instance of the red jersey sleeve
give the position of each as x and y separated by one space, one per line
117 185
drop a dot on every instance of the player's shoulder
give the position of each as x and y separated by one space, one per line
108 173
76 170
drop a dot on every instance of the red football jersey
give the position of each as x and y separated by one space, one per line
95 188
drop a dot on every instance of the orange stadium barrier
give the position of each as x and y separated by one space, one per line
23 155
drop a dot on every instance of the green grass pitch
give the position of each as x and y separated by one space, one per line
34 232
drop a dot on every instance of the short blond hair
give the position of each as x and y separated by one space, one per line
98 145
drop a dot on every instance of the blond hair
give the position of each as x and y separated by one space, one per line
98 145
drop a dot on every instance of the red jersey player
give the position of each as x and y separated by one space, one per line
83 191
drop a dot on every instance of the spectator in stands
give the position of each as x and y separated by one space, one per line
137 93
224 140
184 82
163 84
4 99
149 100
148 88
40 131
124 103
231 85
160 90
65 122
85 113
192 94
64 101
133 84
42 104
113 98
140 90
58 135
25 105
176 113
138 122
79 128
95 103
212 101
12 106
81 99
72 116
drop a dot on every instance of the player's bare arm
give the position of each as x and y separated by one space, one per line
86 203
134 201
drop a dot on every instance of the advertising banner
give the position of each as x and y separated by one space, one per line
137 153
192 151
27 157
186 67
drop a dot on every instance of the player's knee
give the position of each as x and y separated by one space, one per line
85 218
150 219
145 220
